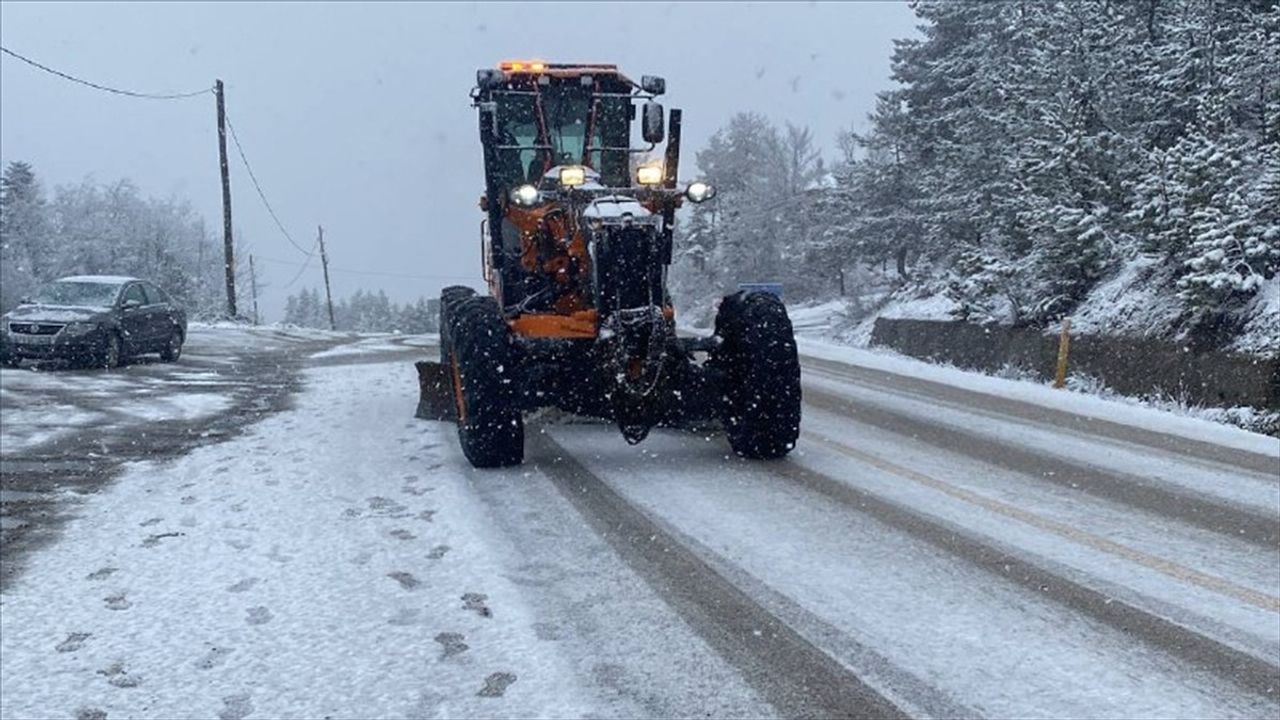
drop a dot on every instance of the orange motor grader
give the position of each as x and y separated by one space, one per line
576 242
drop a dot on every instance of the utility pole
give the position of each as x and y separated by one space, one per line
253 285
229 259
328 294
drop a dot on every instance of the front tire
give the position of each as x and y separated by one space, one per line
173 347
490 425
112 352
760 403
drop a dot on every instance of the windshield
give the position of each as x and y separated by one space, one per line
549 127
77 293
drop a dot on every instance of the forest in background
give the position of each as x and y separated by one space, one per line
105 228
1118 162
1113 162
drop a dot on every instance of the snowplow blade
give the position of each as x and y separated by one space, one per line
435 399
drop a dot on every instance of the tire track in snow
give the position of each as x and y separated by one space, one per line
1185 506
1093 428
1242 669
1167 567
742 631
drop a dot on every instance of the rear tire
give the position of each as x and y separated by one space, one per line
760 403
490 425
173 347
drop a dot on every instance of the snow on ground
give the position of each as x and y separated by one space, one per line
380 343
1037 393
818 319
851 320
25 428
40 406
175 407
1003 651
331 562
1262 333
1135 302
837 325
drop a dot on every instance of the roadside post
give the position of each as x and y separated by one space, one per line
1064 347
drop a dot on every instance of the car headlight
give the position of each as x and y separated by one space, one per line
525 196
699 191
573 175
649 174
76 329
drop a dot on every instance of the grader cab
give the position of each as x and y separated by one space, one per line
580 199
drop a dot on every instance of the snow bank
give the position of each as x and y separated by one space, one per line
1135 302
1036 393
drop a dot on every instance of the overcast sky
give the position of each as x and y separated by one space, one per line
356 116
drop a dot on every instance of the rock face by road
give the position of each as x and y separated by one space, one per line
926 551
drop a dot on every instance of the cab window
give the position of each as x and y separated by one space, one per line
568 113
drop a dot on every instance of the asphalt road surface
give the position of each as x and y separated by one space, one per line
927 551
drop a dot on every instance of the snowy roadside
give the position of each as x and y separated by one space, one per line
349 579
378 344
1126 411
826 331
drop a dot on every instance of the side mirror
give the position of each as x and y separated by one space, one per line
130 304
489 77
653 84
24 300
653 123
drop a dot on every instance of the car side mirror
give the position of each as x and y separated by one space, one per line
130 304
25 300
653 123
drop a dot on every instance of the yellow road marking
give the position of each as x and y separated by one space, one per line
1166 567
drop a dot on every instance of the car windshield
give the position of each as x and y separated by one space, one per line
79 293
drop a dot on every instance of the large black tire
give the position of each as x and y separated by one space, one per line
760 404
449 298
490 426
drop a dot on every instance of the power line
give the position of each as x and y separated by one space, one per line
300 270
406 276
256 186
104 88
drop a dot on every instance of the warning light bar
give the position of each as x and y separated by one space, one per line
522 66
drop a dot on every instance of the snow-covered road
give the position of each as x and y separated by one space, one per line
935 547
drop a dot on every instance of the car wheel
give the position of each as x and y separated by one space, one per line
173 347
112 352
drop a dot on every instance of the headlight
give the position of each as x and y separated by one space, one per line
79 328
649 174
699 191
573 175
525 196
